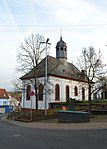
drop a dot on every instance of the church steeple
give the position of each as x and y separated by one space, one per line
61 49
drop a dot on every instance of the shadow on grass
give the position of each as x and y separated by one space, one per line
99 118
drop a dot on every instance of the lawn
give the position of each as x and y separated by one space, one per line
99 118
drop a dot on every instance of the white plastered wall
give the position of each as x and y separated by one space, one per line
51 96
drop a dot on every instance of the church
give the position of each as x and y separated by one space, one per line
64 81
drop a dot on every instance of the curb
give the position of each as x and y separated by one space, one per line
58 126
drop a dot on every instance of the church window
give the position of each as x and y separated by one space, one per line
83 93
65 49
61 48
57 92
40 92
67 93
28 89
57 49
75 91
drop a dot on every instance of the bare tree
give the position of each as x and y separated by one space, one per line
91 64
29 56
30 53
101 89
16 84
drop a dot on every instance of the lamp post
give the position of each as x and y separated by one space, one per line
47 42
23 90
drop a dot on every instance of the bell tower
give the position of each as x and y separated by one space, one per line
61 50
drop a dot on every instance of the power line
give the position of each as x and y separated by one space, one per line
42 26
47 28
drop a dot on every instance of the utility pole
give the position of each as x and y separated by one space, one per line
47 42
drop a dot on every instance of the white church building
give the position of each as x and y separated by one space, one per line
64 81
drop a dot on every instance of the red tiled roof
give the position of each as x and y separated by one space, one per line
3 94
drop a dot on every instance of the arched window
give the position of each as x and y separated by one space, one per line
28 89
57 92
83 93
67 93
40 92
62 48
75 91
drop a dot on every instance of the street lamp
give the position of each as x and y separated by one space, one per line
23 90
47 42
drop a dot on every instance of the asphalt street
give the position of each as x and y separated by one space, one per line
16 137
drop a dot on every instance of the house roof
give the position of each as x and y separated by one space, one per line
55 67
15 95
3 94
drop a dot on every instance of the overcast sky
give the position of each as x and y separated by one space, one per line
83 24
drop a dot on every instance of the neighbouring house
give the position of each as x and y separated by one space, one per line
4 101
101 92
65 81
4 98
14 99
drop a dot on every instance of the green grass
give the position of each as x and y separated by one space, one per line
99 118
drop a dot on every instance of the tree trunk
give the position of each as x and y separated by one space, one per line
36 102
36 94
89 99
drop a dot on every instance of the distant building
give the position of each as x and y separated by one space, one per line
4 98
14 99
101 92
65 81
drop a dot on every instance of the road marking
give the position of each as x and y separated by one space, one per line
15 135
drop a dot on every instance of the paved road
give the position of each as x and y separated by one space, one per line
15 137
